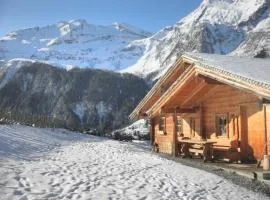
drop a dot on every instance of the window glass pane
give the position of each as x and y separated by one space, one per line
162 123
221 125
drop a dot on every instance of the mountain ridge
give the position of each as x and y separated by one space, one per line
75 43
216 26
235 27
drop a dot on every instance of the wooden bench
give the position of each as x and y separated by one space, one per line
221 148
226 153
196 149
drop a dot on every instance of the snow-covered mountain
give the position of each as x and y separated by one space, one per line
76 43
238 27
31 83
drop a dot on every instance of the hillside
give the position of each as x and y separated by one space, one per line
77 98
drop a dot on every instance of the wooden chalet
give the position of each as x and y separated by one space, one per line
211 99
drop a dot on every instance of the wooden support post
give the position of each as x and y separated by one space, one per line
243 132
265 130
152 132
174 135
201 123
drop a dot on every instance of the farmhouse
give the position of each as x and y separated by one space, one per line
213 106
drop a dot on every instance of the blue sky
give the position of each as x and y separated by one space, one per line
151 15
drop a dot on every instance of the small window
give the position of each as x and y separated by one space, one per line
179 125
222 125
162 124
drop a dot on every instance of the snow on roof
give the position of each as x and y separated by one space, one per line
252 70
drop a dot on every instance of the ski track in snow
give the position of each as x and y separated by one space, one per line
67 165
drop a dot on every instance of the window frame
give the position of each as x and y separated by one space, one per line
162 126
219 132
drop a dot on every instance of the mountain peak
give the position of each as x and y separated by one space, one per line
216 26
129 28
118 25
75 43
78 21
233 1
73 22
215 1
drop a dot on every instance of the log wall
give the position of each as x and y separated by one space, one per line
246 109
246 116
164 139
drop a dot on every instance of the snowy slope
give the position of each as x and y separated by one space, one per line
26 143
257 41
138 130
240 27
72 166
9 69
75 43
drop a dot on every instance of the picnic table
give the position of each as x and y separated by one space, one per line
189 147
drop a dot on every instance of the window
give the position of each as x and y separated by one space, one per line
222 125
179 125
162 124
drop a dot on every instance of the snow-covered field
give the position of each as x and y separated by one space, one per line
58 164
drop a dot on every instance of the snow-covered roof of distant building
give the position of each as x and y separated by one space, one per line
252 70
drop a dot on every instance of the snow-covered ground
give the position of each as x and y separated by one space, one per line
58 164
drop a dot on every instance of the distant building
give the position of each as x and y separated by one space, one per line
206 97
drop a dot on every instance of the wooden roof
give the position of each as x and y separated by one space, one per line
250 74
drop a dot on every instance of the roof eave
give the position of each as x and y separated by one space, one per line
136 112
